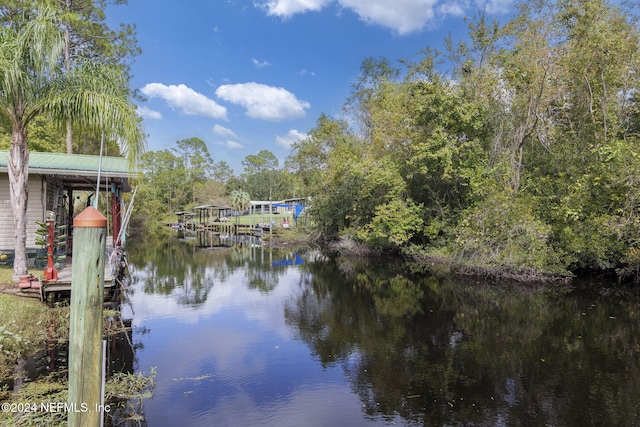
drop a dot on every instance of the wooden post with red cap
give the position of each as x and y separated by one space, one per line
85 334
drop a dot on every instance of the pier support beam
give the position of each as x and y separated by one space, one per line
85 335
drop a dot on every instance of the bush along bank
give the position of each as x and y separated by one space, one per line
33 370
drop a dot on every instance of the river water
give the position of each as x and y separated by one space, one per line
252 336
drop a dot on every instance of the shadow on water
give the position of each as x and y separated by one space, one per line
460 352
415 349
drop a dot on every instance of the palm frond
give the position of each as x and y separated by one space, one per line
29 57
96 96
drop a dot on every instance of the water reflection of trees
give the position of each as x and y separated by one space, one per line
441 353
188 270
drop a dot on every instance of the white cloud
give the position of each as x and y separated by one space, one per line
149 113
401 16
291 137
260 64
186 100
264 102
230 144
223 131
452 9
233 144
288 8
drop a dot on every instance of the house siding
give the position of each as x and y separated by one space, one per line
6 217
34 212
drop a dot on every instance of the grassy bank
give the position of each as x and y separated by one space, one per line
443 262
28 326
6 275
298 236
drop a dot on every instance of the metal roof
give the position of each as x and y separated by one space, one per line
76 164
212 207
77 171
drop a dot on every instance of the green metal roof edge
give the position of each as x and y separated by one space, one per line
211 207
70 162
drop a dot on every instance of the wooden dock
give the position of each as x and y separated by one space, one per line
227 228
53 290
50 291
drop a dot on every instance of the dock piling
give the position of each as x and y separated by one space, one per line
85 337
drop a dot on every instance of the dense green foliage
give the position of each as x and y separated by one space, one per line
186 176
87 38
523 156
262 178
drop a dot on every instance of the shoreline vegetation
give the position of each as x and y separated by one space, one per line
441 260
441 263
30 328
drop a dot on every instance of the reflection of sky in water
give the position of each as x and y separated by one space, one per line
233 361
238 340
228 296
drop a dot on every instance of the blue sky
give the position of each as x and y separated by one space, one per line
245 75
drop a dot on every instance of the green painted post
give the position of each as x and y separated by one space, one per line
85 335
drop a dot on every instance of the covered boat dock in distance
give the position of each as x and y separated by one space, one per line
216 218
185 220
208 214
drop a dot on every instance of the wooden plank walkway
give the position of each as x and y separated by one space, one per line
60 287
227 228
63 285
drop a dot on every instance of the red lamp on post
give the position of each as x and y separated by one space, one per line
50 274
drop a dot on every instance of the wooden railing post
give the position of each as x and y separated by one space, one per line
85 335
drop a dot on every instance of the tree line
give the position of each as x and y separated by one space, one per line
516 150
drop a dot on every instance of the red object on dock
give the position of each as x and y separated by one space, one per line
25 282
116 219
50 274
